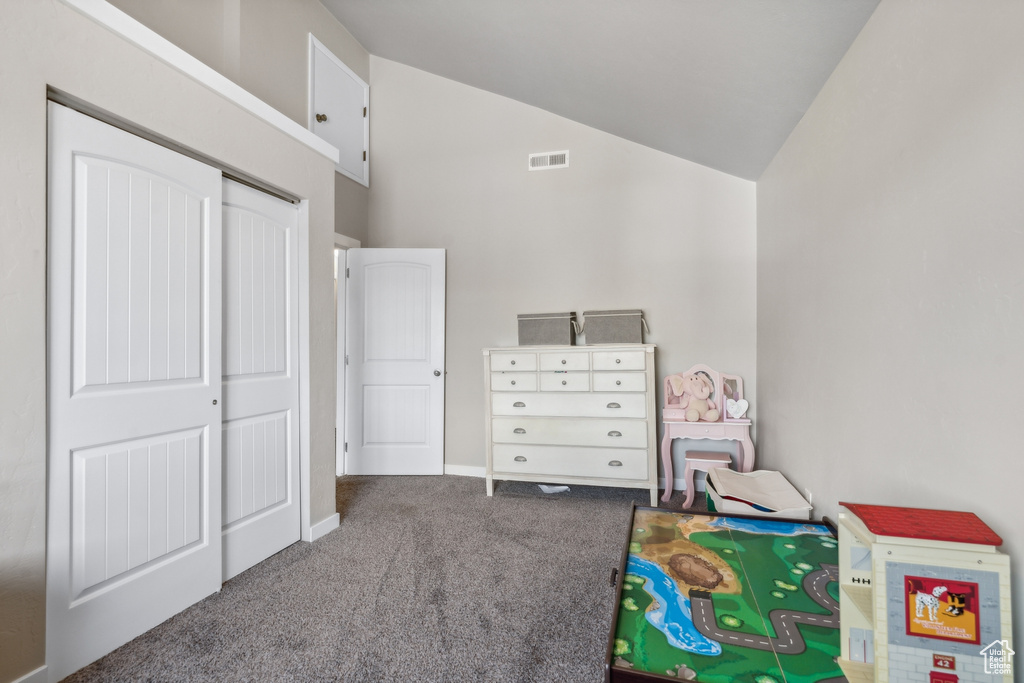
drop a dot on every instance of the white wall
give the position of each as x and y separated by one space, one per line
891 272
44 42
623 226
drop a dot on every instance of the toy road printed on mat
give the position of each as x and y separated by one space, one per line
711 599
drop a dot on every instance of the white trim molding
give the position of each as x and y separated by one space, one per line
305 399
465 471
346 242
322 528
37 676
108 16
679 484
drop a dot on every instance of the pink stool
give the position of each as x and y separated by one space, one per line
704 461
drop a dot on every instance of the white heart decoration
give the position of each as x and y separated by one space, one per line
736 408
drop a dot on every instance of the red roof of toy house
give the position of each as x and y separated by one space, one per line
932 525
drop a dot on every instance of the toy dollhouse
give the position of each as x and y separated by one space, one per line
925 596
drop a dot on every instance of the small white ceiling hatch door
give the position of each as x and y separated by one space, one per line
339 104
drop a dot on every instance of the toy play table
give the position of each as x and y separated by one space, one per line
707 597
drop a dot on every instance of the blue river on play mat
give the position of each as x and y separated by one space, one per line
769 526
673 616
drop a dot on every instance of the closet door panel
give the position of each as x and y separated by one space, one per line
134 384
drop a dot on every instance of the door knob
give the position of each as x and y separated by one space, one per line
321 118
437 373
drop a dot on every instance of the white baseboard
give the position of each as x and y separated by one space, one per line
470 471
37 676
680 484
321 529
465 471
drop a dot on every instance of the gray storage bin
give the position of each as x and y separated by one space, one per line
547 329
614 327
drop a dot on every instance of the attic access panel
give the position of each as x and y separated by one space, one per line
339 103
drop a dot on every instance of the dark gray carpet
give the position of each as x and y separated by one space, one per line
427 579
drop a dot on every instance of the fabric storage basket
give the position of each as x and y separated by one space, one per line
547 329
614 327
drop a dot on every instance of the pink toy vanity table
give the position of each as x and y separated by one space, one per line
726 428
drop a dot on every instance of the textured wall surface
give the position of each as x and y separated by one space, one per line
890 288
43 42
263 45
622 227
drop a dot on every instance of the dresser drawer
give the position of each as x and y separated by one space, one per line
620 381
620 360
568 461
513 361
565 360
571 405
513 381
569 431
565 381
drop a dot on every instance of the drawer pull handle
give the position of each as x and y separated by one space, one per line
615 432
563 361
618 382
613 404
618 360
615 463
564 382
518 430
513 382
518 404
520 458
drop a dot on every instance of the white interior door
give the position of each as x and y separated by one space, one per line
396 361
134 379
261 386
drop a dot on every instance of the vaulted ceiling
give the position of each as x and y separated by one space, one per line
719 82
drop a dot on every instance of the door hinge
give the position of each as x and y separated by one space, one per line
346 359
346 446
364 155
364 112
347 273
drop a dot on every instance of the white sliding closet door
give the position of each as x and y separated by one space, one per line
134 510
261 385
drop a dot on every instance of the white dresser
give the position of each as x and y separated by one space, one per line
572 415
